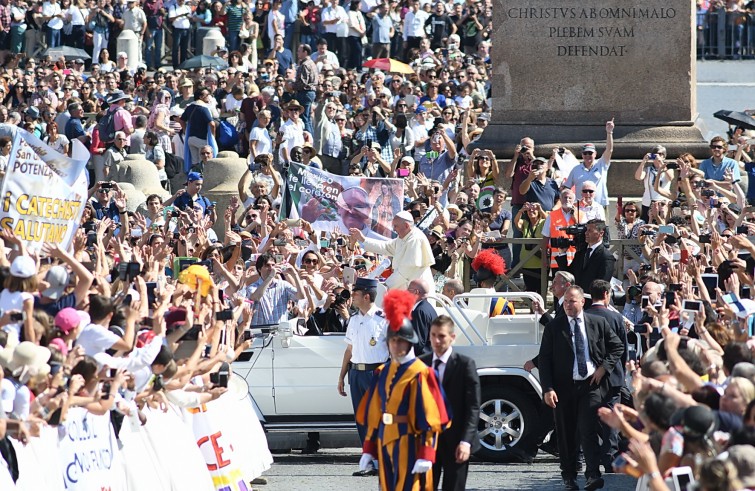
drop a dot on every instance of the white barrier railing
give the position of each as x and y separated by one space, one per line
217 446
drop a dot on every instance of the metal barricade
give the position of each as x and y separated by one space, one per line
725 35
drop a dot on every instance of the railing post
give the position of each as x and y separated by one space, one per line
721 33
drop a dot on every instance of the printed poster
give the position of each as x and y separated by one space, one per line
333 203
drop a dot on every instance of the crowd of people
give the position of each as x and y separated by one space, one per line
141 280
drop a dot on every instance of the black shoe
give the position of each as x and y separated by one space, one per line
570 483
366 473
594 483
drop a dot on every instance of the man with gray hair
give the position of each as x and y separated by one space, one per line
423 315
453 287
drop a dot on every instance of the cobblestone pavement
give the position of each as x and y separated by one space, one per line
330 469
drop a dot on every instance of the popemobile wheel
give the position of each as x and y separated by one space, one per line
507 425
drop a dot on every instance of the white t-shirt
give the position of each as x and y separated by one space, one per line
293 135
262 137
48 10
96 339
13 301
183 22
231 103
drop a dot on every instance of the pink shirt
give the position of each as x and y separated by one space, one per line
123 119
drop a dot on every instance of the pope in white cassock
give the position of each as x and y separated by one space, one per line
411 254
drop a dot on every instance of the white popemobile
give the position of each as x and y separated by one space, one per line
292 378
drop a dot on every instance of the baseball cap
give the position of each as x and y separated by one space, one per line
67 320
23 267
420 109
696 422
588 147
484 116
194 176
57 277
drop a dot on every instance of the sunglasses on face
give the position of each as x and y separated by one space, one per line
717 147
630 210
588 191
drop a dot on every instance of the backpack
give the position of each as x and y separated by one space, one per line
226 135
106 126
173 166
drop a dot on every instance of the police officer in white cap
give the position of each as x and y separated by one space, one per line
410 252
366 348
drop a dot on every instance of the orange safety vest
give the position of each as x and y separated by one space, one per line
558 220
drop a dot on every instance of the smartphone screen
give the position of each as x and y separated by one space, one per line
692 305
711 282
645 301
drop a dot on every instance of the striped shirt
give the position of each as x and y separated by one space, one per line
272 307
234 15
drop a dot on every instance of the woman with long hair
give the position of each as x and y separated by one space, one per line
106 64
159 120
57 142
18 295
156 154
250 32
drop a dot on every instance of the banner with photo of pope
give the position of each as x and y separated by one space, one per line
333 203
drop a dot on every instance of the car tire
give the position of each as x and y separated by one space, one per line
507 425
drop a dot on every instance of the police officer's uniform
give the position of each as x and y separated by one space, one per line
366 333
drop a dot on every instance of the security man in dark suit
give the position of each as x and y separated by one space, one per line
561 282
577 353
595 262
458 376
601 298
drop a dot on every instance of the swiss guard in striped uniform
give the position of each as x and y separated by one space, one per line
489 266
404 410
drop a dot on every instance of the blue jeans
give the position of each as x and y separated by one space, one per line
355 52
17 38
233 41
52 36
306 98
288 34
153 47
180 42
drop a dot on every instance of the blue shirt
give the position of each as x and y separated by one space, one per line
199 119
110 210
285 60
437 169
597 174
381 29
545 194
750 168
272 307
185 201
716 172
73 128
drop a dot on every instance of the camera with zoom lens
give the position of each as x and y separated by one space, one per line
577 237
342 297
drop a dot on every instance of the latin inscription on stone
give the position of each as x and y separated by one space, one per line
586 61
